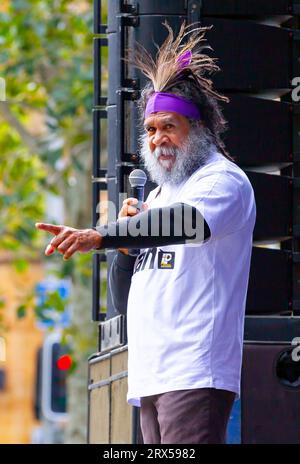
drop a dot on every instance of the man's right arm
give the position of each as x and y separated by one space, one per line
120 280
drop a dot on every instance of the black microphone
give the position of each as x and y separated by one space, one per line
137 180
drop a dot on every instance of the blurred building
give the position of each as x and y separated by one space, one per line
20 342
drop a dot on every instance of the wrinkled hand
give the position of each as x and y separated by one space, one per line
68 240
128 208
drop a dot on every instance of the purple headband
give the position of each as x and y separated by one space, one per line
160 101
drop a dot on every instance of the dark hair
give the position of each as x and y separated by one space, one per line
211 113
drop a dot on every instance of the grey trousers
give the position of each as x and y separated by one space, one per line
197 416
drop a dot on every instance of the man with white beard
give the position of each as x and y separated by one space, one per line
186 290
174 164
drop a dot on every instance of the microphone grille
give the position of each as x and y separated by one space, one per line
137 178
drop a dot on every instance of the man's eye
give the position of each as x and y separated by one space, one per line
150 129
169 126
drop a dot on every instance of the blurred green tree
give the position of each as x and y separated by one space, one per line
45 146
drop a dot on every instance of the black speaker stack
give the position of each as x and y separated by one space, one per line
258 48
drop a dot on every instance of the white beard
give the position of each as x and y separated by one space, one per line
194 153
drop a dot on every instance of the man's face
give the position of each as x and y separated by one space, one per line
172 149
166 131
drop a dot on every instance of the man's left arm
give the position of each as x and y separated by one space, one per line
179 223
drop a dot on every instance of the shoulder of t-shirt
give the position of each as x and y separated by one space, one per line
222 169
223 177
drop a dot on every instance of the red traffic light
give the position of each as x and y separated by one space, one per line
64 362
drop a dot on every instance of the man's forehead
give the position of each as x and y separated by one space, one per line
161 117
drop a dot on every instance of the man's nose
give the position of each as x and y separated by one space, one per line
160 138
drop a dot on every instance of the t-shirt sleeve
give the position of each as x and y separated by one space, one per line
219 198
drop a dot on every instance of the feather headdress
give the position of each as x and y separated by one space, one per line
179 59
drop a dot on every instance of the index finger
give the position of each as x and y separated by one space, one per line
53 229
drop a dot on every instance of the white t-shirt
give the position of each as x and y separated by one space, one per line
186 303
